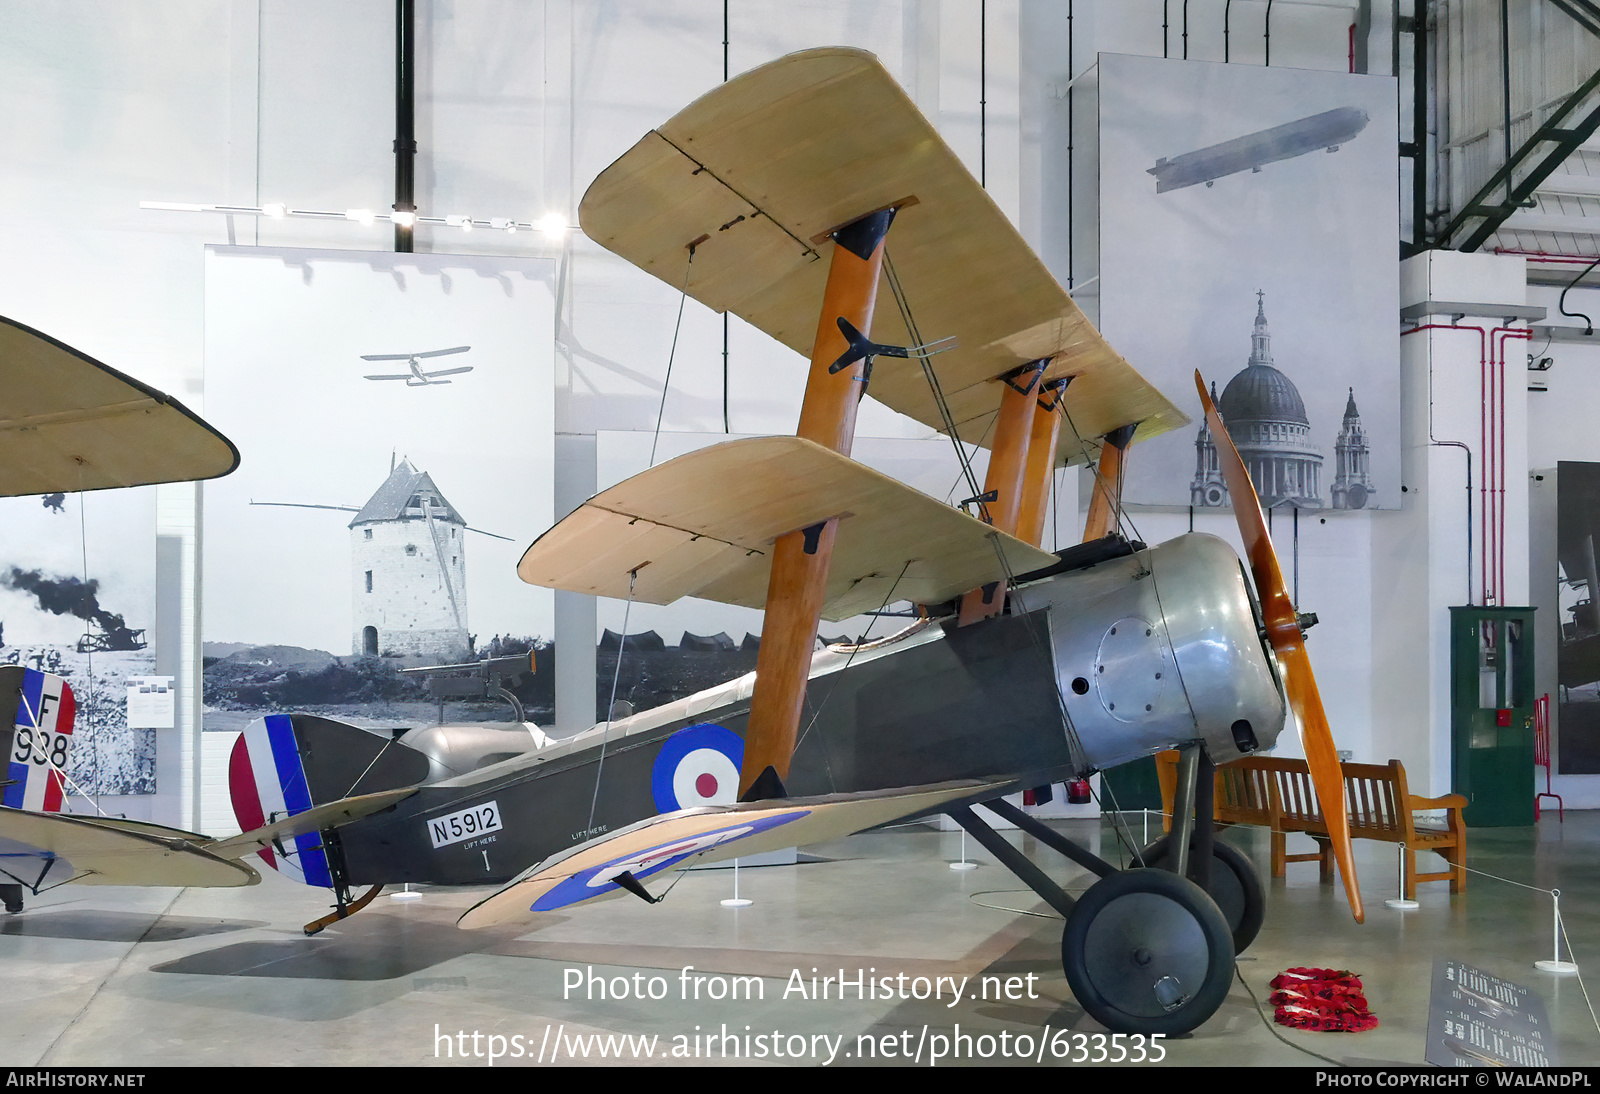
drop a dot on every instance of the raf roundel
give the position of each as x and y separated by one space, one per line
697 766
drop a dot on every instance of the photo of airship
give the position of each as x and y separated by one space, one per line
1327 130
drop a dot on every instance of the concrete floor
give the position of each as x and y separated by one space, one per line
117 976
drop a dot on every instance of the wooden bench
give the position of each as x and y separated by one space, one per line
1277 794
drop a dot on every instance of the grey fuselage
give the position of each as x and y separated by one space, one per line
1090 668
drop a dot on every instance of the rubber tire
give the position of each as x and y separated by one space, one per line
1236 889
1177 926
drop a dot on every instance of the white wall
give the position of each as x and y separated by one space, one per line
104 104
1425 560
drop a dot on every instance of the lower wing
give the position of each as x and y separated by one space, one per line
46 849
607 865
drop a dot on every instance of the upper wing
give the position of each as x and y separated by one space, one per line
703 525
705 834
757 172
68 422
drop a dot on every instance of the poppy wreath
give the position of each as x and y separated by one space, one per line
1329 1000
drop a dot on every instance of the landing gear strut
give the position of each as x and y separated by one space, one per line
1146 950
1234 886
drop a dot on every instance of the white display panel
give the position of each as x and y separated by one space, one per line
286 334
1247 229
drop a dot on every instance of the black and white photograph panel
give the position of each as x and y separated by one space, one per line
1247 220
1578 638
78 600
395 417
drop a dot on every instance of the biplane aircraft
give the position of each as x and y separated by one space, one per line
419 376
794 196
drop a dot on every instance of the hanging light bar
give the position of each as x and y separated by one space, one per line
553 225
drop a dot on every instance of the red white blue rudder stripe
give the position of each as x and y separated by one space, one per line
40 738
267 783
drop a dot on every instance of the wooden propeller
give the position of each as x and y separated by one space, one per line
1283 631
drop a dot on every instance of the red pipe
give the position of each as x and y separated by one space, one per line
1548 256
1508 334
1491 476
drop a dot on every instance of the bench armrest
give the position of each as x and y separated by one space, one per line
1448 801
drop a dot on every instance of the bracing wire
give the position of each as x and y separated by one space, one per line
616 674
1075 743
949 495
854 649
1117 508
932 376
1075 746
671 354
1121 513
89 705
34 716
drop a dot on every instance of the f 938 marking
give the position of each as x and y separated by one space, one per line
456 827
40 746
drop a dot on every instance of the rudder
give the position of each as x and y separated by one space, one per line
284 764
38 737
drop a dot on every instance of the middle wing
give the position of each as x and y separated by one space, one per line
703 525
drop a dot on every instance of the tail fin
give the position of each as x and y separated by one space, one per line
284 764
37 737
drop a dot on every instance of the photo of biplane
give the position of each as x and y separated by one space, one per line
812 199
419 376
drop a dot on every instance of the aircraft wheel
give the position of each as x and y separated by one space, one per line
1235 886
11 895
1147 951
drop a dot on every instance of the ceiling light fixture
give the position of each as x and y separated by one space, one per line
553 225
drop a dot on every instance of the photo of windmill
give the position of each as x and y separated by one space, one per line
335 562
408 595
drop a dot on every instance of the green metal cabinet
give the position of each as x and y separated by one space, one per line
1491 713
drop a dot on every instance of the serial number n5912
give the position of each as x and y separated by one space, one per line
465 824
